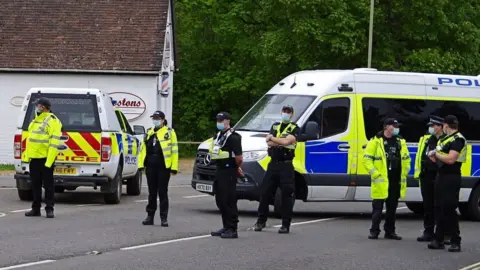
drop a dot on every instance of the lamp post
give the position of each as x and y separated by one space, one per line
370 34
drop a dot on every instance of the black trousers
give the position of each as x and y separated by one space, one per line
427 187
157 180
279 175
226 196
447 192
39 174
391 203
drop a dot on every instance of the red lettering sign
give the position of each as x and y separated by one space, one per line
132 106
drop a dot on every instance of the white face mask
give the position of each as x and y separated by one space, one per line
431 130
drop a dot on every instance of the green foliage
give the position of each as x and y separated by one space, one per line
232 52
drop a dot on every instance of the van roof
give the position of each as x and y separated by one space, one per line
53 90
318 82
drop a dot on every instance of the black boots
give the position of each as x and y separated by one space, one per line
219 232
425 238
164 222
259 226
392 236
36 213
50 214
284 230
148 220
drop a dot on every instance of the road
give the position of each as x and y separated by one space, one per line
86 234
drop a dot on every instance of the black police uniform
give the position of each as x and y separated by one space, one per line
225 185
280 174
393 148
447 193
427 177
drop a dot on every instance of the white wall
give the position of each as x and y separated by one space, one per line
17 84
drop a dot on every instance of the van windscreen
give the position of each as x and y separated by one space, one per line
76 112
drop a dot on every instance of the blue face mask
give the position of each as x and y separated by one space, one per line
431 130
220 126
395 131
286 117
37 111
156 123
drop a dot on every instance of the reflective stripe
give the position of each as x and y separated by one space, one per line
41 132
174 151
56 137
372 157
167 156
38 141
405 158
378 180
372 171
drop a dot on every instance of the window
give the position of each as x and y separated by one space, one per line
268 109
120 120
127 125
332 116
413 114
76 112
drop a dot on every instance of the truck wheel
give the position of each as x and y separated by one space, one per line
277 204
416 207
114 198
134 184
25 195
474 205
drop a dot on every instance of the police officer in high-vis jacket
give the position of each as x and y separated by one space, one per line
159 157
282 141
450 154
387 160
42 147
426 171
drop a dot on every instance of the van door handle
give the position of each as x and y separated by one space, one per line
343 147
364 146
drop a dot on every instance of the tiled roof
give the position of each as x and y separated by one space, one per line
83 34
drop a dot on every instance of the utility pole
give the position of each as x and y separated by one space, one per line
370 34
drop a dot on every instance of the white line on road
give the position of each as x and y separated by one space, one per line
166 242
471 267
308 222
8 188
196 196
173 186
21 210
2 215
26 264
91 204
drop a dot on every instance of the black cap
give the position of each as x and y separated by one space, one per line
451 119
43 101
158 114
287 108
223 116
435 120
390 121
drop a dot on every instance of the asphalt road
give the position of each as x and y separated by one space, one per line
86 234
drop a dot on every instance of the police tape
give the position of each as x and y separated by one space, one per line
189 142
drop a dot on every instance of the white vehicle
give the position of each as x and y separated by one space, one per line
99 146
338 112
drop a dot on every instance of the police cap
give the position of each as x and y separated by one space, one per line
223 116
451 120
391 121
43 101
287 108
158 114
435 120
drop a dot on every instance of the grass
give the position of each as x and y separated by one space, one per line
6 167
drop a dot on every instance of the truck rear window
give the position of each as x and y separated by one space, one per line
76 112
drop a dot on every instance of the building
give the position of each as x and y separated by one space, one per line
124 47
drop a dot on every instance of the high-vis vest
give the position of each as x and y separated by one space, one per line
290 127
218 143
462 157
43 139
168 142
418 158
375 161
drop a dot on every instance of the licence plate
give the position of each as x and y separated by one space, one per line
203 187
65 171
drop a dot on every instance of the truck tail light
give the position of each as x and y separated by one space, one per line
106 152
17 146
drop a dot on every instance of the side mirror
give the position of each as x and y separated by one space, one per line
311 132
138 130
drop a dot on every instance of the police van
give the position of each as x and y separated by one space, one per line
98 146
338 112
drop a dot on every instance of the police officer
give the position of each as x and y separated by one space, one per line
280 173
159 157
226 151
426 171
42 148
387 160
450 153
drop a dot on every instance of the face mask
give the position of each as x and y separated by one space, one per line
445 130
431 130
220 126
395 131
37 111
156 123
285 117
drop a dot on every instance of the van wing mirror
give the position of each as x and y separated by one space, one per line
311 132
138 130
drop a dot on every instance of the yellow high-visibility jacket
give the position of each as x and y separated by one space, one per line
168 142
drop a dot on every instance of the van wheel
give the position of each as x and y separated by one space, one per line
277 204
474 205
115 196
416 208
25 195
134 184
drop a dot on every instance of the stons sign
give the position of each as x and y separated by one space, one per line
131 105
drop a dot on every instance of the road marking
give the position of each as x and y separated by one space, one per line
166 242
26 264
8 188
21 210
196 196
91 204
2 215
309 221
472 267
173 186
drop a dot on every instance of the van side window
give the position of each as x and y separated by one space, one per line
332 116
127 125
120 120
